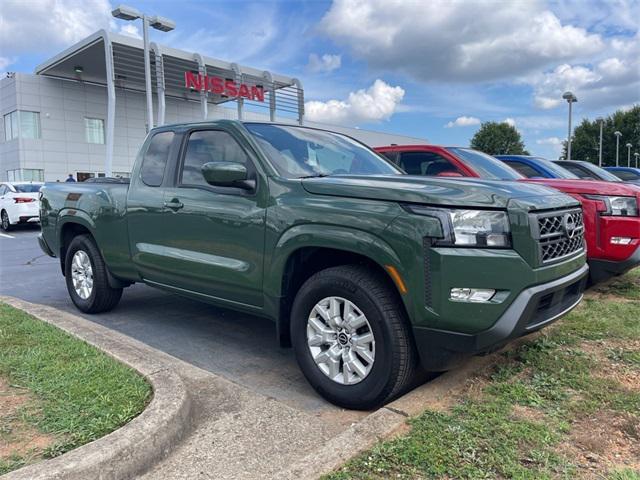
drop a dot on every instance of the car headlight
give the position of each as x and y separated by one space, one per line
617 206
470 228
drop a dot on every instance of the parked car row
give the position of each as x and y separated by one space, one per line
371 269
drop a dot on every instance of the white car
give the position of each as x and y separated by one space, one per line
19 203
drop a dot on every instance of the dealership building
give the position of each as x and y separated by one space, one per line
84 111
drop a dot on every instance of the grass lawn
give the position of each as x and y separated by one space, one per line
563 405
57 392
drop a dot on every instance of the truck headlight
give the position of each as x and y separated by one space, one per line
469 228
617 206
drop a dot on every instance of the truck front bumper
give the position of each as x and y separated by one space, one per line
534 308
604 269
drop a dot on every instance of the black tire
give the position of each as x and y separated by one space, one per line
395 354
4 221
103 297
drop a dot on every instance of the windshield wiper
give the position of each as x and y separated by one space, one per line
315 175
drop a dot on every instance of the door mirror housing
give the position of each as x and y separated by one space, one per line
227 174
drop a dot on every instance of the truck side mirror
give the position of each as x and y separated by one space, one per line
227 174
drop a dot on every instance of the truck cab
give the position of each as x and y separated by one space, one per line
368 273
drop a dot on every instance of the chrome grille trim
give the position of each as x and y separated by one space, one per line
559 234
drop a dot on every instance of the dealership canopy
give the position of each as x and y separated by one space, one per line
117 62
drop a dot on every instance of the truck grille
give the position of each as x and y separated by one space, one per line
559 234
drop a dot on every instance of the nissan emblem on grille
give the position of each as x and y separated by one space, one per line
569 225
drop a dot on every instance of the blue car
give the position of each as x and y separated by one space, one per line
626 174
536 167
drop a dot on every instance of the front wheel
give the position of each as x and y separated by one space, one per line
351 337
87 278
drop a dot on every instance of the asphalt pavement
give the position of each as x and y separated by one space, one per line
239 347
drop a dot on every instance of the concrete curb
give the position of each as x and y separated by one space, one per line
135 447
388 420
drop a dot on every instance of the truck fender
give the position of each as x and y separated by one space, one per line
79 217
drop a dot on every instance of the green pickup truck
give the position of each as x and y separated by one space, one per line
368 273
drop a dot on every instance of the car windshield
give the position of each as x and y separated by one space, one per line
27 187
557 170
298 152
601 173
627 174
485 165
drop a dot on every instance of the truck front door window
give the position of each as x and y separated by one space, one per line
211 146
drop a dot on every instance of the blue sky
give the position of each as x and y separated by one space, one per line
432 69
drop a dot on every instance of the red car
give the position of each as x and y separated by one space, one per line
611 216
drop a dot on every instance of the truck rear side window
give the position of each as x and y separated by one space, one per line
155 159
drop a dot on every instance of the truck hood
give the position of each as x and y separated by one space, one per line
590 187
463 192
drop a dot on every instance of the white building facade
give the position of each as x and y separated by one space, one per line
83 112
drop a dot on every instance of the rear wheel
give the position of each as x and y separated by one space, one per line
87 278
4 218
351 337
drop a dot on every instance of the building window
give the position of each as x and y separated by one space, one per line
25 175
94 130
23 124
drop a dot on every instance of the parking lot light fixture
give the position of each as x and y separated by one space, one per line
125 12
571 99
600 120
628 145
618 135
636 155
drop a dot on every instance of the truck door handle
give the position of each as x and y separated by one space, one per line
174 205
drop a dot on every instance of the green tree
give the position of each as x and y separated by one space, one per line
586 137
498 138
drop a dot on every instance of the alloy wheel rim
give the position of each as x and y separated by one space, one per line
340 340
82 274
5 220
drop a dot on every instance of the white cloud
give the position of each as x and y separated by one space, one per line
5 62
509 121
27 26
554 142
378 102
611 82
130 30
460 41
323 64
463 122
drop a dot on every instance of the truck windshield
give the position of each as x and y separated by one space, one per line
557 170
599 173
298 152
485 165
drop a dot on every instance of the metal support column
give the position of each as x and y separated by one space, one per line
272 95
111 106
160 86
147 72
239 100
204 92
298 85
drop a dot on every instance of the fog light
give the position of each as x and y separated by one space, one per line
621 240
476 295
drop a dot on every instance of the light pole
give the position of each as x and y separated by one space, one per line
570 98
628 145
601 121
636 155
125 12
618 135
